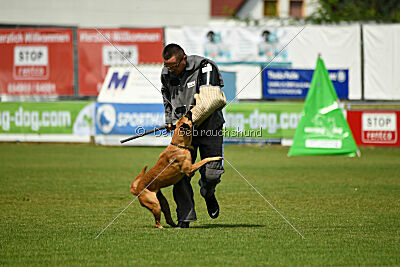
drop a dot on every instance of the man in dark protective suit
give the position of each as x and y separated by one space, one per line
182 77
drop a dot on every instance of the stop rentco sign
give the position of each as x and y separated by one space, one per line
379 128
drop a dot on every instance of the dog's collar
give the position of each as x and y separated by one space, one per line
184 147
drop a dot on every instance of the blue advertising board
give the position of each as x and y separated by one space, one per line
128 119
229 85
294 83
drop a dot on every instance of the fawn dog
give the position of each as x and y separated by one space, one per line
173 164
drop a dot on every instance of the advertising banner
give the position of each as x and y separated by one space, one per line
128 85
322 130
114 47
381 44
128 119
375 127
248 81
236 44
36 62
114 122
339 46
19 120
244 122
258 121
294 83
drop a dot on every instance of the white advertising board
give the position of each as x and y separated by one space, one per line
382 62
132 85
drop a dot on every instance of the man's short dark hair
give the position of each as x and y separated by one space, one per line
266 32
210 33
173 50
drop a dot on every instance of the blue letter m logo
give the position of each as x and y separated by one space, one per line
116 80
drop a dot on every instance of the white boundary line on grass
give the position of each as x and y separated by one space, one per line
266 199
134 199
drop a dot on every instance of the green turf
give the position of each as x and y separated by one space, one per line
54 200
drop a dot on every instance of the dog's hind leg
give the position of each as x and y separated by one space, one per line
165 209
149 200
197 165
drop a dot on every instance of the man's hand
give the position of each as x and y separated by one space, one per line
169 127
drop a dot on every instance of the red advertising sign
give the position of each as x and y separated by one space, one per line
36 62
375 127
114 47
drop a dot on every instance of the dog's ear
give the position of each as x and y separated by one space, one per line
189 115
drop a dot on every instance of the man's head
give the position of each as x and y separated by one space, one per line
265 35
174 58
211 36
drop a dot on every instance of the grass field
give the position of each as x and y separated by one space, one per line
55 199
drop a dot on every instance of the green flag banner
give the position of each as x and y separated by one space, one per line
322 129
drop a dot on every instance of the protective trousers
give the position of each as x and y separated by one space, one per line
209 146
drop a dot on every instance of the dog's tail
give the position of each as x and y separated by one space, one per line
134 184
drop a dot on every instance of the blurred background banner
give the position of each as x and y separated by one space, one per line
258 45
248 121
130 103
36 61
382 62
294 83
96 54
128 119
375 127
339 46
45 64
128 85
67 121
248 81
235 44
116 121
230 90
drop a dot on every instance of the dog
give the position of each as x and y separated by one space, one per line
173 164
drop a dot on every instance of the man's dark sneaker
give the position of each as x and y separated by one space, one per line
182 225
212 207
